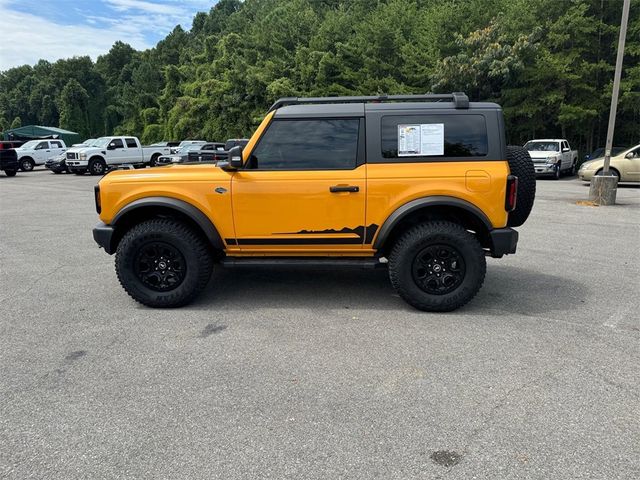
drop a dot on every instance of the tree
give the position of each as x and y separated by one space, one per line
17 123
73 105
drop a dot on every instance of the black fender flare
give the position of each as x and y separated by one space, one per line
194 213
434 201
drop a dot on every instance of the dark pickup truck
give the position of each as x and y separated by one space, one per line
9 162
220 151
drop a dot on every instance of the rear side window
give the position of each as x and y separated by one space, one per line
464 136
56 145
131 143
314 144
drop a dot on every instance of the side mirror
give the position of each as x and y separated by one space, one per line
566 149
112 146
234 160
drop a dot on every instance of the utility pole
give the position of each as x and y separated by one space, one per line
603 187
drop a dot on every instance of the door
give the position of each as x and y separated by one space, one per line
41 153
303 188
630 166
133 153
56 148
116 152
566 155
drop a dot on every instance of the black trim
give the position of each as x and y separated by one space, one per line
183 207
103 234
437 200
459 99
370 232
303 262
299 241
503 241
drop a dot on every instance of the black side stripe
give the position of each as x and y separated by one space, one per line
365 235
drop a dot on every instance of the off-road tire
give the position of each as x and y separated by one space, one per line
521 166
27 164
10 173
413 242
97 166
192 246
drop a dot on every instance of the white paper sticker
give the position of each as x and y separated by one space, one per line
421 140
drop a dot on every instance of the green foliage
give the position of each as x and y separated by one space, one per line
17 123
548 63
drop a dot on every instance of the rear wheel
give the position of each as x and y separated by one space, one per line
27 164
163 263
437 266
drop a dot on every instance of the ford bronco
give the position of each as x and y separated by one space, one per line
421 184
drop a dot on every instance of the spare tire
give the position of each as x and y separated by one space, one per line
521 166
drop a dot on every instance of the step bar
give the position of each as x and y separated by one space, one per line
304 262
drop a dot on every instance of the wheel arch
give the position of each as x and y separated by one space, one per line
153 207
429 209
97 157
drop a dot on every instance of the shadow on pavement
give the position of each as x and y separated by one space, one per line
506 288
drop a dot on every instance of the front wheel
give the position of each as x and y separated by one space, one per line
437 266
557 173
97 166
163 263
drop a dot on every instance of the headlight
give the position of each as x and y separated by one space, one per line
551 159
83 156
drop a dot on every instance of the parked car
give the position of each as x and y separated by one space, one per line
109 152
57 164
305 192
182 154
210 152
37 152
552 157
7 144
9 161
185 143
625 166
165 144
599 153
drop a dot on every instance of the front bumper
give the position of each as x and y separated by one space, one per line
103 235
503 241
586 175
544 168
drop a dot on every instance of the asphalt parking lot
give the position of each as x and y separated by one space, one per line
298 374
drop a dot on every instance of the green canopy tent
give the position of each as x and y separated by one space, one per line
31 132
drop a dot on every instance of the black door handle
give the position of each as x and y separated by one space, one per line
344 188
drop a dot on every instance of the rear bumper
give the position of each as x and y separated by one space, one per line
103 234
503 241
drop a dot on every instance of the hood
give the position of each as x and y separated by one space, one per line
542 154
170 173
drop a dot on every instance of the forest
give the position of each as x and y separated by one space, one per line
549 63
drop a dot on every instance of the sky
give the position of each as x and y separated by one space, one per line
54 29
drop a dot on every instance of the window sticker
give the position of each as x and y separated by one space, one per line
420 140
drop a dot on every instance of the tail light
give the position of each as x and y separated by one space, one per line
512 193
96 194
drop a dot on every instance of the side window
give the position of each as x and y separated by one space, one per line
131 142
432 136
42 146
313 144
56 145
565 145
116 143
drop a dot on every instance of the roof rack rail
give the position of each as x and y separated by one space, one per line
459 99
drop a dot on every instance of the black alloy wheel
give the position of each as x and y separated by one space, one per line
160 266
438 269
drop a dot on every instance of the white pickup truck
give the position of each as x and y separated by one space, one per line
111 152
37 152
552 157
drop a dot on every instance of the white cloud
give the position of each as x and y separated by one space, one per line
28 37
125 5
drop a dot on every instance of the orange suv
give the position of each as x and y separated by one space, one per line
421 184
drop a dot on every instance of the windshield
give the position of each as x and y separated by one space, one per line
542 146
102 142
31 144
90 142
